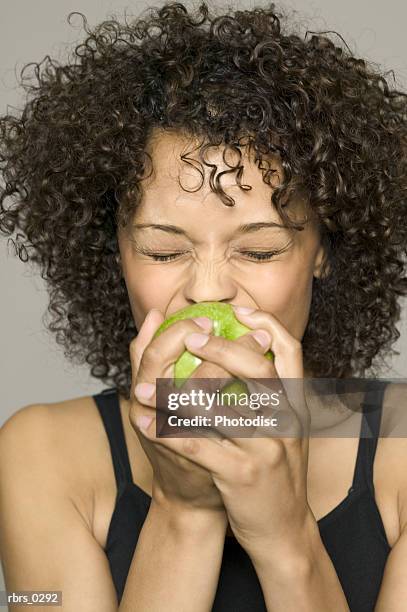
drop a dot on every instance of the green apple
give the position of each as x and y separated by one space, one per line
224 324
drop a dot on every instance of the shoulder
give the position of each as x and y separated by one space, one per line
46 502
393 444
59 445
49 427
394 415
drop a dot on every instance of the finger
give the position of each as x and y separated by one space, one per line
214 374
288 357
210 377
287 349
276 412
151 323
156 359
242 359
213 455
213 377
208 369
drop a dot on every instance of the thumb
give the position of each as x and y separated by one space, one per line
151 323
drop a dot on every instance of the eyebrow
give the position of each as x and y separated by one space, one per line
246 228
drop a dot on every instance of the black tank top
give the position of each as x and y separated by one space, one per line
352 533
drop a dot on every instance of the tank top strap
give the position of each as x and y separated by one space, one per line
107 402
372 408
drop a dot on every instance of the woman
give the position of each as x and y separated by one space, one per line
184 158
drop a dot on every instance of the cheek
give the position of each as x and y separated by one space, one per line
288 295
148 287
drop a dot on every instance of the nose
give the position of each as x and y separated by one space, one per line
208 284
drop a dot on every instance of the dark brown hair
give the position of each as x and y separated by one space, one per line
73 160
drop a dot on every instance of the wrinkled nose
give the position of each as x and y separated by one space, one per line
208 283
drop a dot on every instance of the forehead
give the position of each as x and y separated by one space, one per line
179 177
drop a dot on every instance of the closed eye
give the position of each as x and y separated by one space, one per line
262 255
256 255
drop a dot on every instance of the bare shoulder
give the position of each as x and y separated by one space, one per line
392 446
53 427
394 416
48 454
65 441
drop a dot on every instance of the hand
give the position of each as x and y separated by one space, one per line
175 477
262 481
177 481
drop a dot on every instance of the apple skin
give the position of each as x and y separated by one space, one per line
224 324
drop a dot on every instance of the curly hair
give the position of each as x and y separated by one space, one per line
74 158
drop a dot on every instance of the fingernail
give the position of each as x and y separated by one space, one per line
262 337
204 322
144 390
243 310
143 421
196 340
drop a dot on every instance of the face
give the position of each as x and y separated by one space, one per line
209 256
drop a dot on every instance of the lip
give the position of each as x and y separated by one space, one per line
167 315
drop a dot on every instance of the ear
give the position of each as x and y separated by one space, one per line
321 266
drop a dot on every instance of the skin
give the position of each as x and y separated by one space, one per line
213 270
258 486
213 265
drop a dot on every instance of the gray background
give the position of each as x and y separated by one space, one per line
33 369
